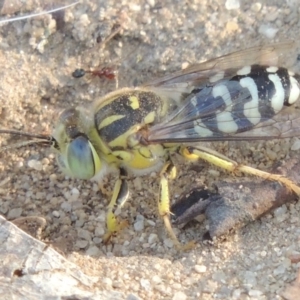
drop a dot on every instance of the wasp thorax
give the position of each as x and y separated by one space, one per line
76 154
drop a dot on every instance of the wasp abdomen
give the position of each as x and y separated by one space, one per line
277 85
255 94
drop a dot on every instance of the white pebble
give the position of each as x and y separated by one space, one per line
101 217
84 234
169 243
137 183
281 269
156 279
213 173
151 2
107 281
75 191
56 214
84 20
74 195
145 284
93 251
250 279
66 206
263 253
151 223
296 145
254 293
219 276
268 31
200 269
179 296
280 213
153 238
81 244
237 294
14 213
232 4
139 224
99 231
256 7
35 164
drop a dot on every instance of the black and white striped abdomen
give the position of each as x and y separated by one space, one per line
277 85
255 94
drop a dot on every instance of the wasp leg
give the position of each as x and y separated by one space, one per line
167 173
223 162
119 197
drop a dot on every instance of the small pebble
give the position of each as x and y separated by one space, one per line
56 214
281 269
93 251
237 294
268 31
169 243
219 276
250 279
74 194
81 244
153 238
263 253
107 281
132 297
84 20
145 284
272 16
14 213
200 268
156 279
232 27
179 296
254 293
296 145
66 206
137 183
232 4
99 231
151 223
35 164
139 224
280 214
210 286
84 234
256 7
151 2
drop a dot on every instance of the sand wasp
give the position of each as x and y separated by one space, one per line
134 130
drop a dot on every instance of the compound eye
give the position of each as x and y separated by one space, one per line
82 159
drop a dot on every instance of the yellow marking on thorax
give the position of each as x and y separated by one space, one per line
150 118
109 120
134 102
98 143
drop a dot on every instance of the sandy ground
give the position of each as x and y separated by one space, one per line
37 57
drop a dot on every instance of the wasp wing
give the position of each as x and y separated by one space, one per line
209 121
226 65
201 117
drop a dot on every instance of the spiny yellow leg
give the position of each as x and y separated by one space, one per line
222 162
168 172
119 197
